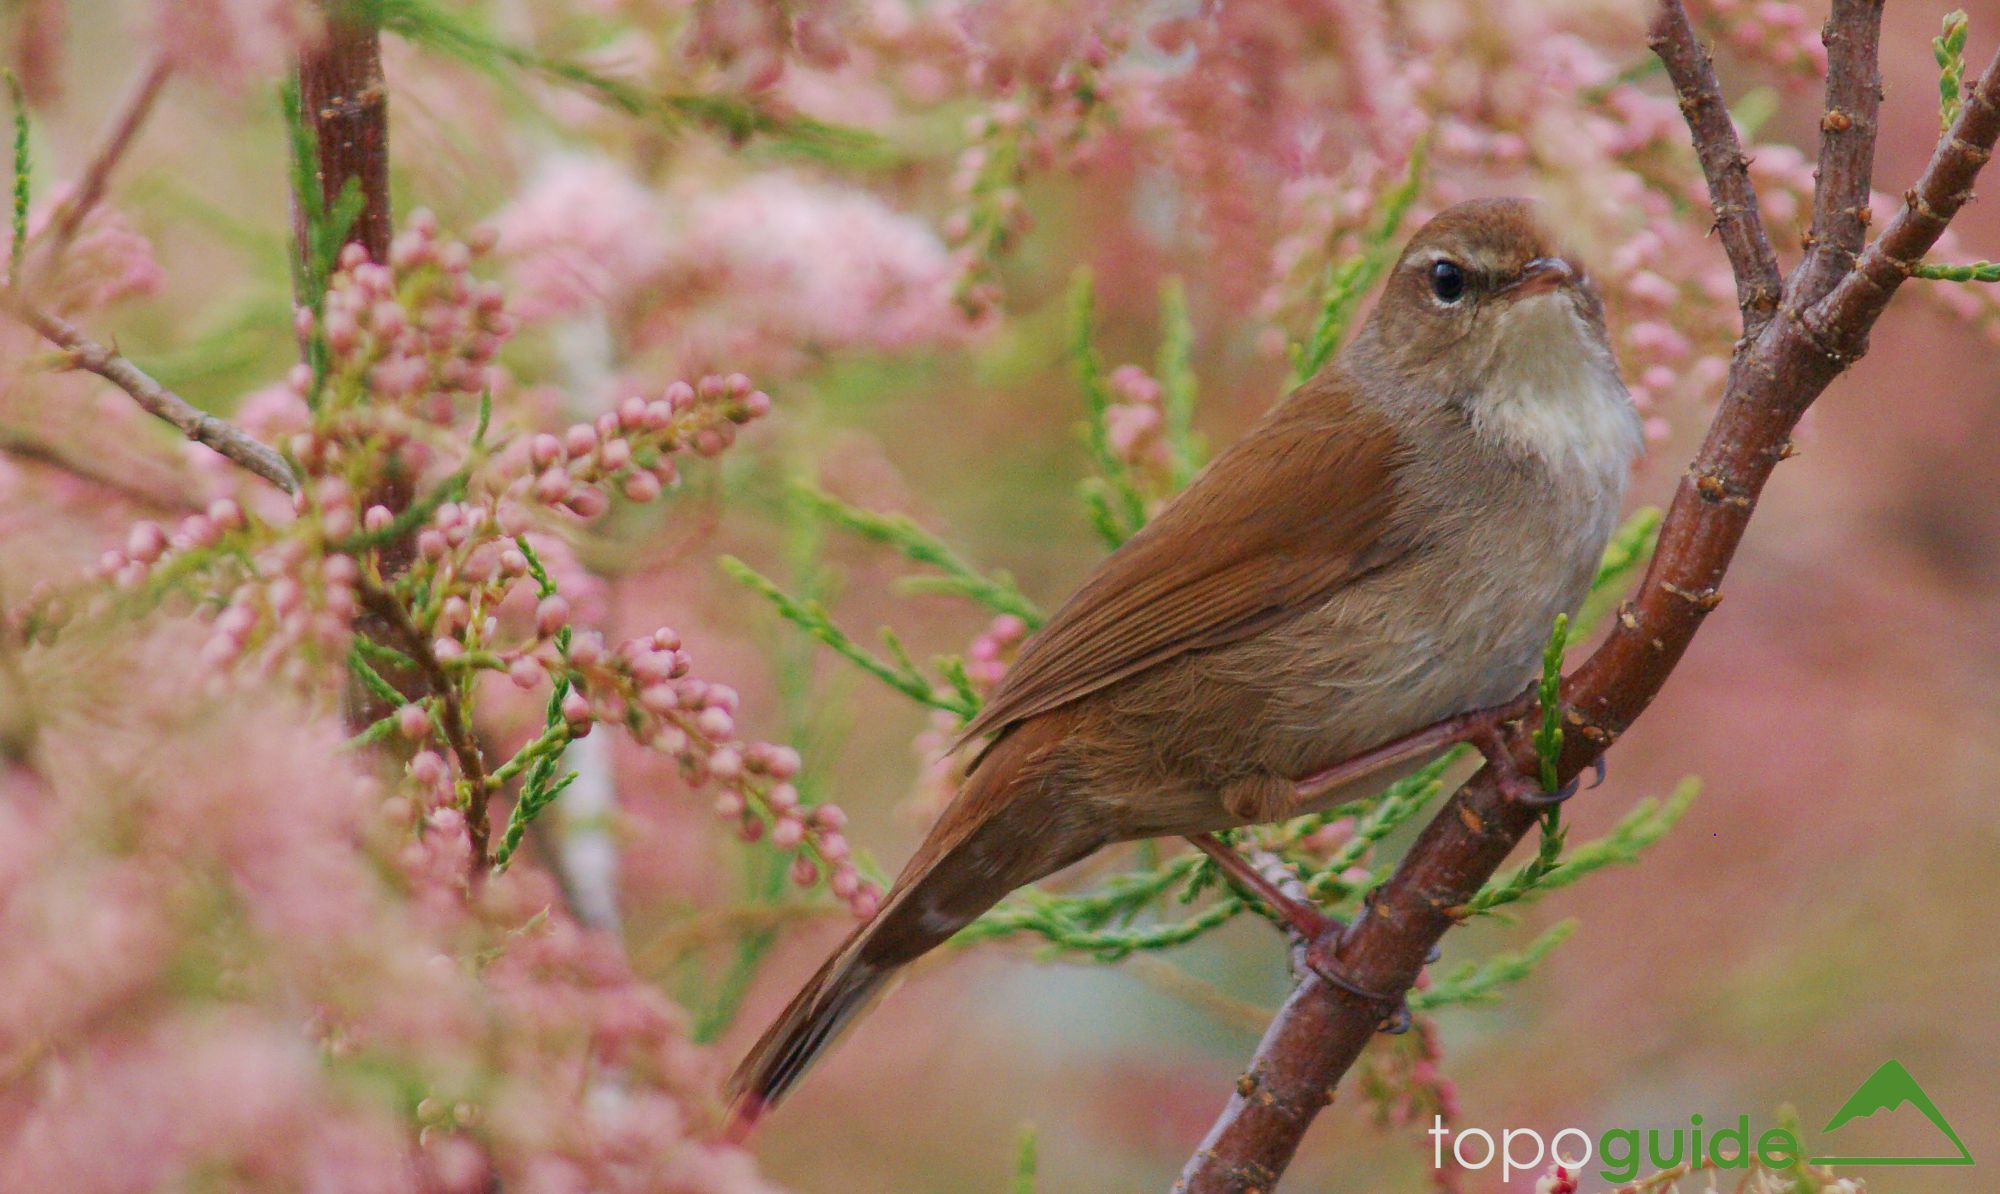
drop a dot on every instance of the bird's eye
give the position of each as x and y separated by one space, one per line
1447 281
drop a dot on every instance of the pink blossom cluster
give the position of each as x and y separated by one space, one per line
267 975
1135 425
1775 32
106 260
418 332
770 269
987 658
232 44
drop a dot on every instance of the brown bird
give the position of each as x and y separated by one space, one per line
1387 548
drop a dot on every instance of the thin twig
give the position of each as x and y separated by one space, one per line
451 719
118 135
1737 220
1324 1025
198 425
1846 147
1928 207
116 477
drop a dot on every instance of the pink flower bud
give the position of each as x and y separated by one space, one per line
545 450
448 650
866 902
146 542
830 817
432 545
513 563
844 882
615 455
377 519
803 872
428 768
679 395
225 514
659 698
716 723
551 615
659 416
782 797
586 649
729 804
641 487
750 829
632 412
783 762
580 440
587 502
576 709
725 764
285 595
553 485
788 832
832 846
524 672
413 721
653 667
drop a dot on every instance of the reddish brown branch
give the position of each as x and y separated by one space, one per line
198 425
343 96
1322 1028
1737 220
1846 146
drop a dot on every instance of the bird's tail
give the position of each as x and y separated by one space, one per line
993 838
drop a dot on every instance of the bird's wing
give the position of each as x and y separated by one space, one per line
1288 514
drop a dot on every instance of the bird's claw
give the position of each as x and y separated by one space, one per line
1534 796
1322 958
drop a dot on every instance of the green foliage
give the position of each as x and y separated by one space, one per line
1175 368
810 616
452 33
1025 1162
23 169
1971 271
1480 982
1647 823
1549 735
540 761
1349 281
325 228
1949 49
995 591
1105 923
1113 498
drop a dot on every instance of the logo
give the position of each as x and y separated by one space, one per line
1889 1089
1626 1152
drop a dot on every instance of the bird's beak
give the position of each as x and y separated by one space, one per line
1541 276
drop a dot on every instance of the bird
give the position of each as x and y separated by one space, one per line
1386 549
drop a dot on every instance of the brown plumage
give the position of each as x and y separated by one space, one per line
1387 547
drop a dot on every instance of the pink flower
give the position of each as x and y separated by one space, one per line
232 43
583 236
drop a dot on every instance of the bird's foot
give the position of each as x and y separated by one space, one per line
1322 957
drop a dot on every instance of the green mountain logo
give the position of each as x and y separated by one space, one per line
1888 1089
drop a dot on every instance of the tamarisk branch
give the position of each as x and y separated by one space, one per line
1798 337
